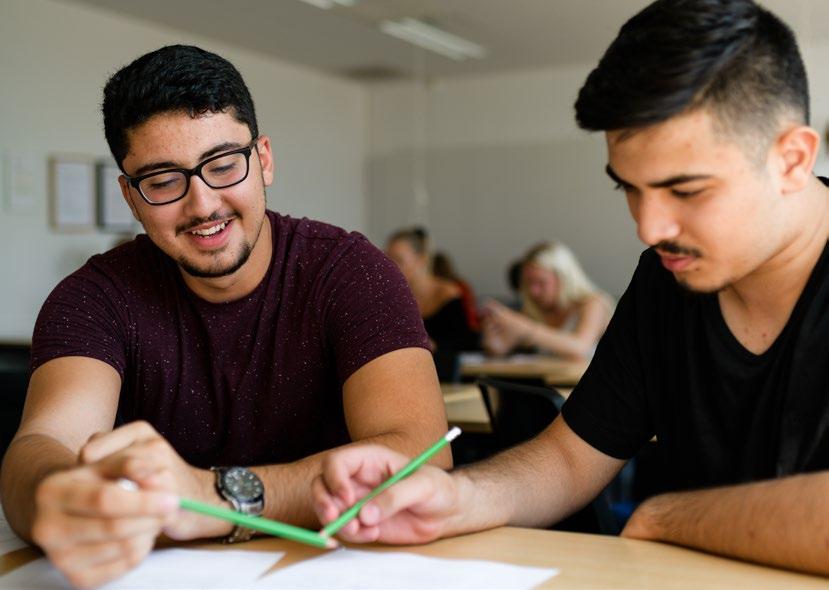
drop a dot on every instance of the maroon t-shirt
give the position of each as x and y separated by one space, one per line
253 381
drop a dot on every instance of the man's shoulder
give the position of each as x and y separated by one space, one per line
309 229
311 240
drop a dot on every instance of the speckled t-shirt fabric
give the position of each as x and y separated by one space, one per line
253 381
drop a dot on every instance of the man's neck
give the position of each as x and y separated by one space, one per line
244 280
758 306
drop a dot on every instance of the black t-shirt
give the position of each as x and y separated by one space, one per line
449 327
669 366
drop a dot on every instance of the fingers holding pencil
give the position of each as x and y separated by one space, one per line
412 510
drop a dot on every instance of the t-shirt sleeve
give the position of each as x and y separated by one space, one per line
370 309
608 408
81 317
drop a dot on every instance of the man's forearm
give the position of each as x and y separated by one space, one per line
535 484
28 461
783 522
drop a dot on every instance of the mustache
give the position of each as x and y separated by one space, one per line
197 221
676 249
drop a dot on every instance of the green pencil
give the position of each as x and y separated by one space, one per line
335 525
258 523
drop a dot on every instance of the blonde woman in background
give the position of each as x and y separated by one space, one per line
563 312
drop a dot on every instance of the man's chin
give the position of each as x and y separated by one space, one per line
215 270
699 287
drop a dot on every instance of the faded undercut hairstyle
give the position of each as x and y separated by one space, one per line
731 57
176 78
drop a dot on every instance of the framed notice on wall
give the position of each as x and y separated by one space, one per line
72 193
113 213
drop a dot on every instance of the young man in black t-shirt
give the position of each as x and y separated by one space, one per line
718 346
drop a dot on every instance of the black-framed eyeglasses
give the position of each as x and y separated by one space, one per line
219 171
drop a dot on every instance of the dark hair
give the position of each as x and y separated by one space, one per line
731 56
173 78
442 267
417 237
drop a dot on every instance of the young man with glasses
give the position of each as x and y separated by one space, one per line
719 345
228 337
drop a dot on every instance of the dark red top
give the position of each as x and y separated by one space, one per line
253 381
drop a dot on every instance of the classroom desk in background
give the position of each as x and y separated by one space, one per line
584 561
552 370
465 407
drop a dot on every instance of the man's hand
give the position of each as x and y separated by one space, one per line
503 328
151 462
92 529
418 509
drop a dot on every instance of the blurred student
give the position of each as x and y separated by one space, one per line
562 313
440 299
443 267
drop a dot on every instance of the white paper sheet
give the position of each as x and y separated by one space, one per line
180 569
365 570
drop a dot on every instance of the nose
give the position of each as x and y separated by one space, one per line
655 218
201 200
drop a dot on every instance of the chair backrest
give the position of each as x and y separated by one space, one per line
14 381
518 411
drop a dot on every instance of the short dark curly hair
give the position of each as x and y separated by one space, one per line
730 56
174 78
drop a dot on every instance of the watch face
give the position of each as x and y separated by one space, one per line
242 484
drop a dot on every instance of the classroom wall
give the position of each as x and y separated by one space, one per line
54 60
504 166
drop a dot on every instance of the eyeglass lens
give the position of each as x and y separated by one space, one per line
219 173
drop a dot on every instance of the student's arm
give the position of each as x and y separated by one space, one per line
394 400
579 343
90 528
534 484
783 522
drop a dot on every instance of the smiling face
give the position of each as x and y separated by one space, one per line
712 211
210 233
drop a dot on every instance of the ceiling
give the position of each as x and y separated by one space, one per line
518 34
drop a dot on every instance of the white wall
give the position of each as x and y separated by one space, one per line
506 166
54 60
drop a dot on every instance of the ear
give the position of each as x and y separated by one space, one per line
263 148
125 192
795 152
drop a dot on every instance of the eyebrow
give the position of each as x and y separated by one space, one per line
222 147
667 182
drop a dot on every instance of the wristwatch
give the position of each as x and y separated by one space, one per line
244 490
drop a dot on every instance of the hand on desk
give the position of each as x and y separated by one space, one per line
417 509
503 329
95 530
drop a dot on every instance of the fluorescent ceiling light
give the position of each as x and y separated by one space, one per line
326 4
431 38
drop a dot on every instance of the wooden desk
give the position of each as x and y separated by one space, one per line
585 561
554 371
465 408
